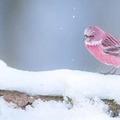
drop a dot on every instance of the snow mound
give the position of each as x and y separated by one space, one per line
79 85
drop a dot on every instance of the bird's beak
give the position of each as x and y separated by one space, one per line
84 38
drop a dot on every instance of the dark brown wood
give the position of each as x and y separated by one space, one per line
22 99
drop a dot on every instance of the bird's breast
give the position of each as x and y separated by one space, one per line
94 50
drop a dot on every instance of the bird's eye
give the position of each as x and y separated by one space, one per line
86 36
92 36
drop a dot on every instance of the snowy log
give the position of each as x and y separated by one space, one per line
76 85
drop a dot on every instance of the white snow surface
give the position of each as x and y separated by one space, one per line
82 87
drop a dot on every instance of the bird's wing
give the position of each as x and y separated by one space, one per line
111 46
115 51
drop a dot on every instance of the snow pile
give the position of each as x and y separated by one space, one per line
82 87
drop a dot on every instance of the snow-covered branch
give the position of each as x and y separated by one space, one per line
78 86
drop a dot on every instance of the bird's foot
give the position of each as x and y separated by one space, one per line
111 72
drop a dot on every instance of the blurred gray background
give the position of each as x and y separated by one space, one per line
39 35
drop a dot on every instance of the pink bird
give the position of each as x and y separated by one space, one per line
103 46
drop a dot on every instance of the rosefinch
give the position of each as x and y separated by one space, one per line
103 46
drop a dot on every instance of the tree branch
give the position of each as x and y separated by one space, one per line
22 100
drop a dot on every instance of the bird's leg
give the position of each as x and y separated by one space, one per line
112 71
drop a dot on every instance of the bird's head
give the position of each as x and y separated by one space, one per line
93 35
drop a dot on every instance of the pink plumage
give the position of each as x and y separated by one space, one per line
103 46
